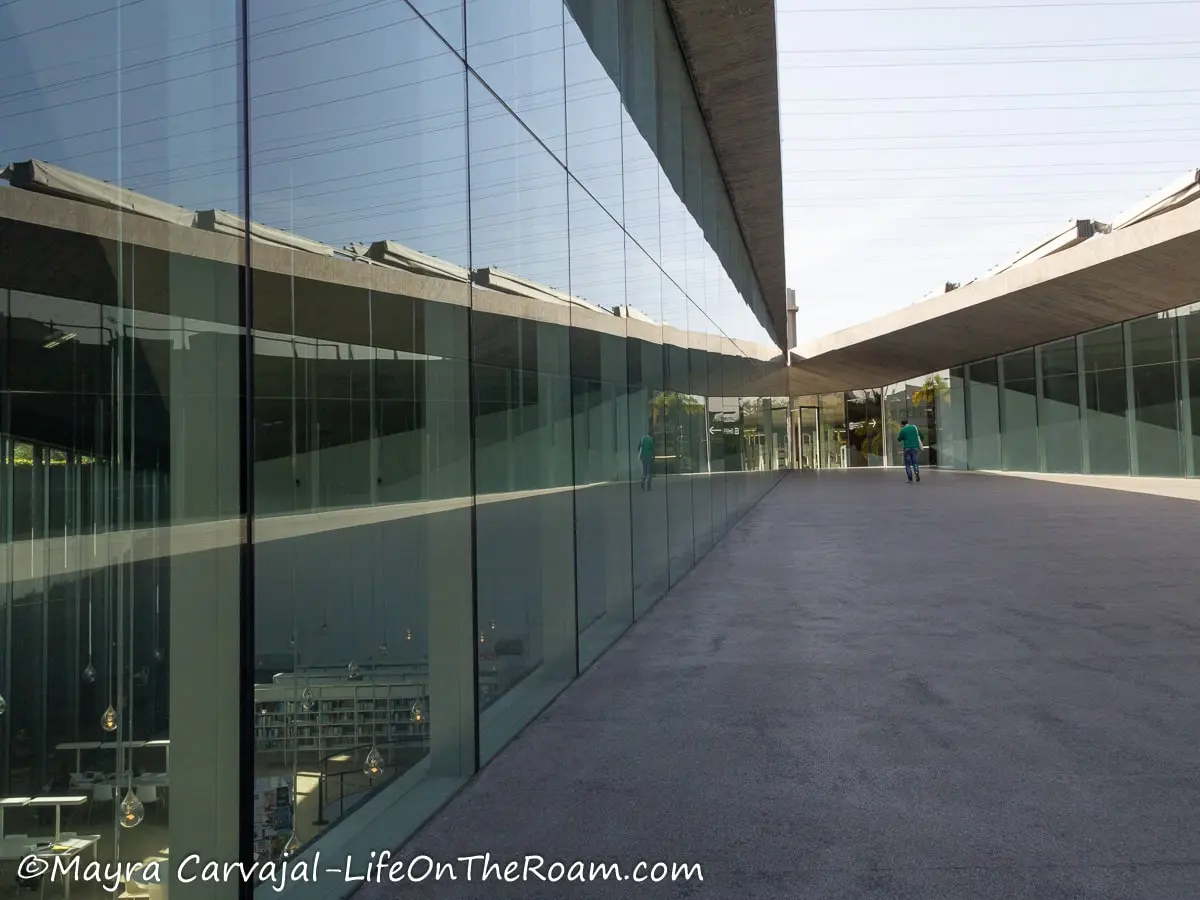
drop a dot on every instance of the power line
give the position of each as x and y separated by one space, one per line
53 25
973 7
997 134
1009 96
1052 45
993 62
987 109
927 147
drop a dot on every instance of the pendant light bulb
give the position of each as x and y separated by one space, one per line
308 699
353 672
373 764
89 673
292 845
132 810
417 714
109 720
384 649
408 634
158 654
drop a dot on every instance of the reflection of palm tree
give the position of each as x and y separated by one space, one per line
870 437
935 388
667 403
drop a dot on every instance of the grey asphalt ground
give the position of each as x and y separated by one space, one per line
975 687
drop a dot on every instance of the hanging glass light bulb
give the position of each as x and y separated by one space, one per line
307 699
89 673
353 672
408 634
292 845
416 714
109 720
493 624
132 810
373 764
481 637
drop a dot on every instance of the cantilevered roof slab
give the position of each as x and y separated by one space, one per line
1142 268
730 50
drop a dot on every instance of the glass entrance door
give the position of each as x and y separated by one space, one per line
809 438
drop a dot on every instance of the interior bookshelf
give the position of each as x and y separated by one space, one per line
378 709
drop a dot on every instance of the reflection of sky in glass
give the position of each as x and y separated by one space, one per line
359 122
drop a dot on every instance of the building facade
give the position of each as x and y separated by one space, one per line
334 336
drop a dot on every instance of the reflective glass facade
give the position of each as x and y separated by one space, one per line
368 369
1119 400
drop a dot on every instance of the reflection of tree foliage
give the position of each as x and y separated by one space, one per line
667 404
935 388
679 416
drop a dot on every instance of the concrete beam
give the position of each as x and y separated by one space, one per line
1144 269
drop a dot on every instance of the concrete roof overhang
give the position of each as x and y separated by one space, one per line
730 49
1146 268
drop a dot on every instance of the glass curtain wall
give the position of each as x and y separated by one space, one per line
489 386
1120 400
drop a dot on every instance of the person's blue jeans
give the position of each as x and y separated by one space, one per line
911 465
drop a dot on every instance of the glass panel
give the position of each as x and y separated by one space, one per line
1189 340
950 411
701 447
361 396
593 100
1155 376
1104 378
809 446
1018 411
864 428
983 415
446 16
121 410
516 49
523 426
1058 408
924 397
832 441
600 411
647 396
678 408
639 94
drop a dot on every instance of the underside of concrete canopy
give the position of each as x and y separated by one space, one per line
1136 270
729 46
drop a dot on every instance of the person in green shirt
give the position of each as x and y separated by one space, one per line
910 439
646 455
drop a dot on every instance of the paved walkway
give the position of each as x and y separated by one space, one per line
976 687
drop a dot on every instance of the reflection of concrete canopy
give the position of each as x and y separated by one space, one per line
729 46
1148 262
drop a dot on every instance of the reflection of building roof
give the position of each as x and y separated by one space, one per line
44 178
1084 277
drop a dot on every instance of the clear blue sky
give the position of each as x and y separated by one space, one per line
900 176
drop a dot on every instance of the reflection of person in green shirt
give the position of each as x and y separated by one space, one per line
910 439
646 455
